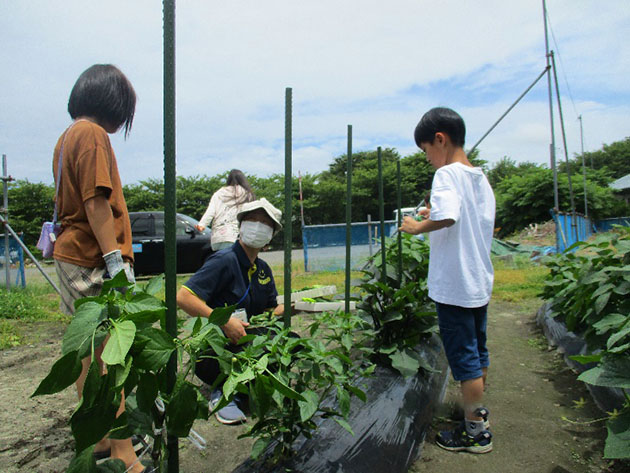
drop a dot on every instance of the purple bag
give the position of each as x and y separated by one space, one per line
47 238
50 230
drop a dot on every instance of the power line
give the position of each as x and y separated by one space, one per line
564 75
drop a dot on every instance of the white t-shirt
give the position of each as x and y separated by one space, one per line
460 270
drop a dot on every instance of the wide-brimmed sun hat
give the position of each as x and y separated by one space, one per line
267 206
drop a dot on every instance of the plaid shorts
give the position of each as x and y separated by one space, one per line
76 282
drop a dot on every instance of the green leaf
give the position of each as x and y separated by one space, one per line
344 424
113 465
157 346
147 391
309 406
601 302
139 422
97 408
616 337
63 373
584 359
284 389
404 363
343 398
334 363
618 440
155 285
611 321
259 447
84 462
603 289
144 308
181 409
613 372
357 392
78 336
121 338
118 281
121 372
221 315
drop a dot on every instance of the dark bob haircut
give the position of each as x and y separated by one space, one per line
104 93
440 119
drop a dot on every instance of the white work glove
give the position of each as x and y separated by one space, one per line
115 264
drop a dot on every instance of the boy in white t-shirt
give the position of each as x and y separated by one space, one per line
460 271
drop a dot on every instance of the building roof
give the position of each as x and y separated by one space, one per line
622 183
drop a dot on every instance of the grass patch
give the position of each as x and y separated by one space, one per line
301 279
32 303
518 280
21 308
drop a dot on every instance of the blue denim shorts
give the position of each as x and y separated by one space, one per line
463 332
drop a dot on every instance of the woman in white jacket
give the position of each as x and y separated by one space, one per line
224 205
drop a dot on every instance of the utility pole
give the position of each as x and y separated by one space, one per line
552 146
583 166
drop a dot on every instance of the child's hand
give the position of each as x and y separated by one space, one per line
410 225
424 212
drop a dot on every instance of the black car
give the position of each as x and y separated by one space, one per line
147 229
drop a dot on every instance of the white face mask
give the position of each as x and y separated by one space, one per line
255 234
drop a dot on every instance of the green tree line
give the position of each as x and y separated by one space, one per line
524 191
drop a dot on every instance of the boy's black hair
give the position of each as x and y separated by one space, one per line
440 119
103 92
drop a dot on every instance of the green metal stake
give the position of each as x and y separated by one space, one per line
381 211
170 205
399 204
288 194
348 217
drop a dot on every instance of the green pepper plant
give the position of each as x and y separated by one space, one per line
588 287
292 382
286 378
401 311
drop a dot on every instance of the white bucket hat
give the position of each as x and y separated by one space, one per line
267 206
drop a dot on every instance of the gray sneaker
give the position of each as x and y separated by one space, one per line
230 414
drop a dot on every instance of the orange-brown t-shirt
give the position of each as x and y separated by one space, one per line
88 169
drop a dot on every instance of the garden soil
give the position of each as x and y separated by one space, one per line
529 391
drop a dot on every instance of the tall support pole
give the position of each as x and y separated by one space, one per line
348 218
552 146
564 144
399 213
583 167
288 191
381 212
170 205
5 207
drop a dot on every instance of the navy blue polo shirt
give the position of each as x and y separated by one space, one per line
226 276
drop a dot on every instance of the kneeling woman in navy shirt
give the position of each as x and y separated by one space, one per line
235 276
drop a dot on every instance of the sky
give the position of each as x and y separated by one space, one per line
375 65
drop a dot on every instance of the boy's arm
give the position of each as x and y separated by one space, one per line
411 225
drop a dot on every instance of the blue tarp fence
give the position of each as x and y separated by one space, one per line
325 245
606 224
571 228
15 262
